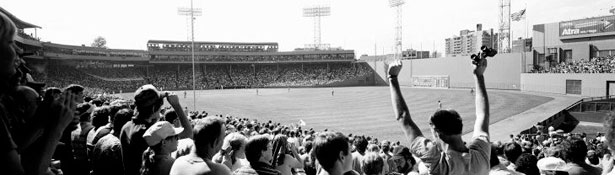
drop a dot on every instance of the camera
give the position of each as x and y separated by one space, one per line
488 52
484 53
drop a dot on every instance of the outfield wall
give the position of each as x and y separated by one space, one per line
592 85
503 71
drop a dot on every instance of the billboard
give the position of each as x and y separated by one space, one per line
598 25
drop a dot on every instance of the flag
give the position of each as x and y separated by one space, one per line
302 123
517 16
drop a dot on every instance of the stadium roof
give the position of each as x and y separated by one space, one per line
18 22
209 42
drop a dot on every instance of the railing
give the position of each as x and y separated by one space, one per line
598 98
589 104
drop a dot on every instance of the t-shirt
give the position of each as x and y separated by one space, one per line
289 163
357 162
107 156
264 168
78 141
502 170
162 166
190 164
585 169
133 144
475 161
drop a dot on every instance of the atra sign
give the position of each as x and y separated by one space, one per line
587 26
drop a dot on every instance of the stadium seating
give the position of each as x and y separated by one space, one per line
179 77
593 65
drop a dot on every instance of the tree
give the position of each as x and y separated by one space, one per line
99 42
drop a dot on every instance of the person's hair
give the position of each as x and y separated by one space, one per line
7 28
360 143
74 88
170 115
235 141
373 148
327 147
494 160
147 159
372 164
120 118
385 146
50 92
593 158
255 146
308 146
280 148
512 151
206 132
144 112
446 122
526 164
574 150
609 125
100 116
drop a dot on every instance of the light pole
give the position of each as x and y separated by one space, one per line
397 4
317 12
192 12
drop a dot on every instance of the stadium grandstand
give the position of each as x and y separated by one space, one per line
218 65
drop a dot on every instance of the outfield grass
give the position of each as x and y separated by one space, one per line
358 110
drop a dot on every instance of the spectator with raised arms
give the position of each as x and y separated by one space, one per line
448 153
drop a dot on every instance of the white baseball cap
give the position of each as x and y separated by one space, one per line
160 131
551 164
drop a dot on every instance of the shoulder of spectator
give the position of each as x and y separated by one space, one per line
425 149
220 169
481 137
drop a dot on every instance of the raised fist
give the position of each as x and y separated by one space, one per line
394 68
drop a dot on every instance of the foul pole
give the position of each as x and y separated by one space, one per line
192 12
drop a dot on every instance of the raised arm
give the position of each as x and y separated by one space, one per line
481 126
38 157
174 101
399 104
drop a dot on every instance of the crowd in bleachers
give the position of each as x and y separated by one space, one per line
23 34
90 51
252 58
211 47
592 65
174 77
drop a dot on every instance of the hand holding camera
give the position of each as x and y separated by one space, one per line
480 60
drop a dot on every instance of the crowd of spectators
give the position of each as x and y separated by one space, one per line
592 65
23 34
174 77
212 47
254 58
100 80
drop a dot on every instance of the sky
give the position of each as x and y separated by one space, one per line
366 26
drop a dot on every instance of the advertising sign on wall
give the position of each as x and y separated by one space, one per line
598 25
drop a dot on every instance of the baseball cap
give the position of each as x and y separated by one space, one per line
148 95
160 131
401 152
551 164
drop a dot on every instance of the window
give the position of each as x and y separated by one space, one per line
568 56
573 87
605 53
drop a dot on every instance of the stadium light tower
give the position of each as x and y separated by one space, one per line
317 12
504 24
397 4
192 12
